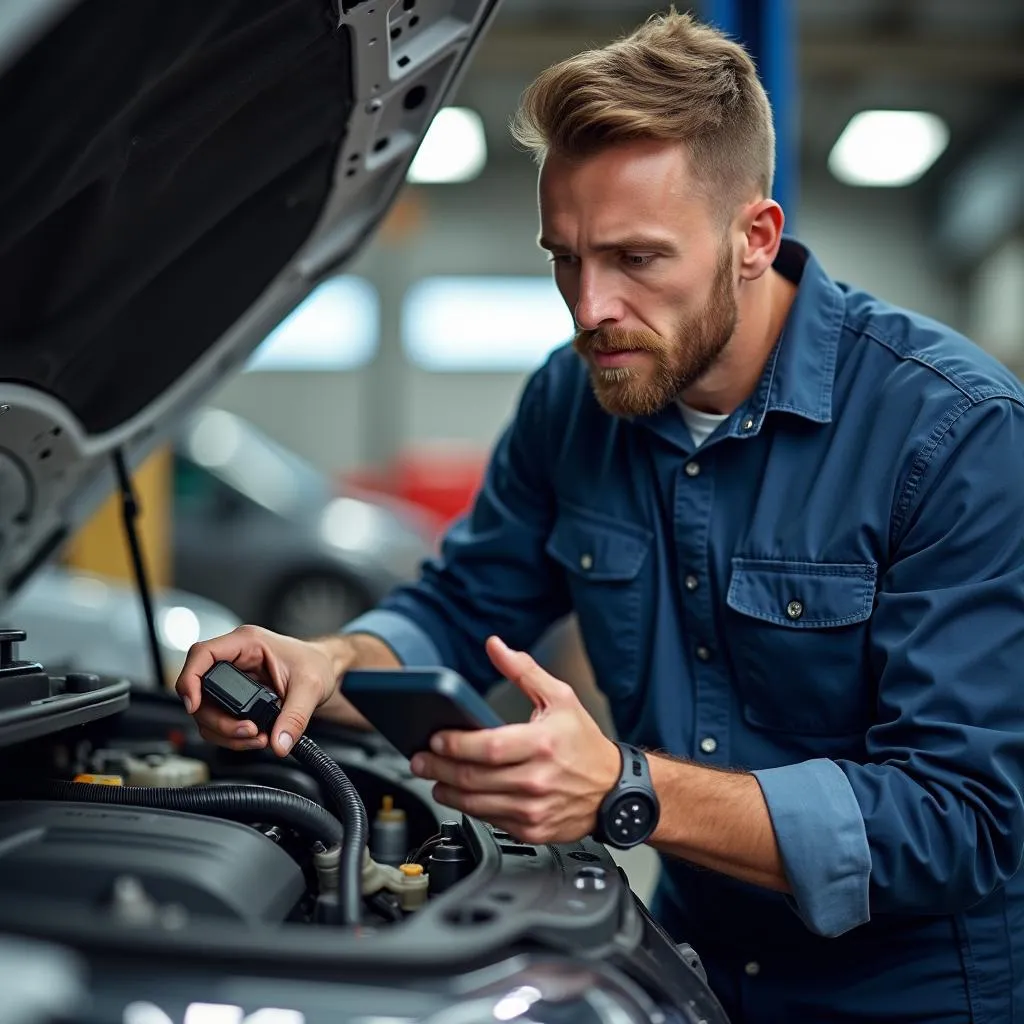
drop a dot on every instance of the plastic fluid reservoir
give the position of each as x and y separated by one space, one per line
389 838
166 771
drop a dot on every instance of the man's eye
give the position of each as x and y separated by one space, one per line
563 258
638 259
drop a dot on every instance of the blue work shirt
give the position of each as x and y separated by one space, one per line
829 592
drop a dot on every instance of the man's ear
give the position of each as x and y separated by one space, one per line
761 224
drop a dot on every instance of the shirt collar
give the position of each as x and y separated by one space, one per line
800 371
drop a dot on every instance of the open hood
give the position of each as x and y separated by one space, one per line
177 176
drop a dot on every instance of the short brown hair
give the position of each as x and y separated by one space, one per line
672 78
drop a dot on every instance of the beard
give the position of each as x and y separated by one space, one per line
678 362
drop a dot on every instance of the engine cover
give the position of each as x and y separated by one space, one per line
95 856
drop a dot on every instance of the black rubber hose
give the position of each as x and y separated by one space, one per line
243 697
349 806
236 803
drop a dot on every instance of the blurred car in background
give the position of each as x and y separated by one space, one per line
78 621
261 531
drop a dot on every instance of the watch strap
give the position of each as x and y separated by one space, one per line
635 769
616 814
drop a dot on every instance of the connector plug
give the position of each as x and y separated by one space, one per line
241 697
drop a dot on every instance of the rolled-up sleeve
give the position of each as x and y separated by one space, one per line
932 821
492 575
823 841
409 643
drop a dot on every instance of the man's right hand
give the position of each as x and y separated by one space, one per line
304 672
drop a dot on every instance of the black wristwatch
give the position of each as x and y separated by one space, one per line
629 813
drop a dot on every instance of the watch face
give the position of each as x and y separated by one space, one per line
631 819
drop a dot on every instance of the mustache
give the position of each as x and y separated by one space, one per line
608 342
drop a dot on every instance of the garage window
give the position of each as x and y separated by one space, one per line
337 327
491 324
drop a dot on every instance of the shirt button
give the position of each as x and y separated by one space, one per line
586 561
753 968
748 423
703 653
691 582
692 468
709 744
794 609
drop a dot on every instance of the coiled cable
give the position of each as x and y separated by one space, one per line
247 699
236 803
348 804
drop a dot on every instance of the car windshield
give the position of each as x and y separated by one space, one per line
240 457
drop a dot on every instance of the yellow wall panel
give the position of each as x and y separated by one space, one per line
101 546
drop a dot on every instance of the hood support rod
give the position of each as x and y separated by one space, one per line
129 514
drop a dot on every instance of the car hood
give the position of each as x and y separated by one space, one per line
178 176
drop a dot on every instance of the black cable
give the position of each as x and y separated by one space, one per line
348 804
245 699
427 844
236 803
129 514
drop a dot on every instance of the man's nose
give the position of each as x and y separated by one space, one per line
596 305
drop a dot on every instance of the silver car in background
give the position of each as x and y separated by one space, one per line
81 622
261 531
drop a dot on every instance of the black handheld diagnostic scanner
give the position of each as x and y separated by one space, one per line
240 696
408 705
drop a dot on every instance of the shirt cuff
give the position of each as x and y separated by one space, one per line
411 645
824 845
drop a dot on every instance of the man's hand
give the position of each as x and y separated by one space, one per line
304 672
300 671
540 781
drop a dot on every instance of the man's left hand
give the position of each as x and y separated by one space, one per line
541 781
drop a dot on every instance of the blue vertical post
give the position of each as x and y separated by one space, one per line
767 30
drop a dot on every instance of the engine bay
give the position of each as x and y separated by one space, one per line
126 812
146 834
127 839
142 864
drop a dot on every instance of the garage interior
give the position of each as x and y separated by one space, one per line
367 415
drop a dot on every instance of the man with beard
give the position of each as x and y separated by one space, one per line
788 518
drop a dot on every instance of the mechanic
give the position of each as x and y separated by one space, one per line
789 519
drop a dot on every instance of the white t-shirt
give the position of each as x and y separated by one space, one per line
700 424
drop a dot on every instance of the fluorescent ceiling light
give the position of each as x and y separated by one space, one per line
888 147
454 148
492 324
336 327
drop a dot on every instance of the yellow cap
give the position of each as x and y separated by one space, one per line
411 870
388 811
100 780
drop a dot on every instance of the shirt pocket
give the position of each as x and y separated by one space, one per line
604 561
797 636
